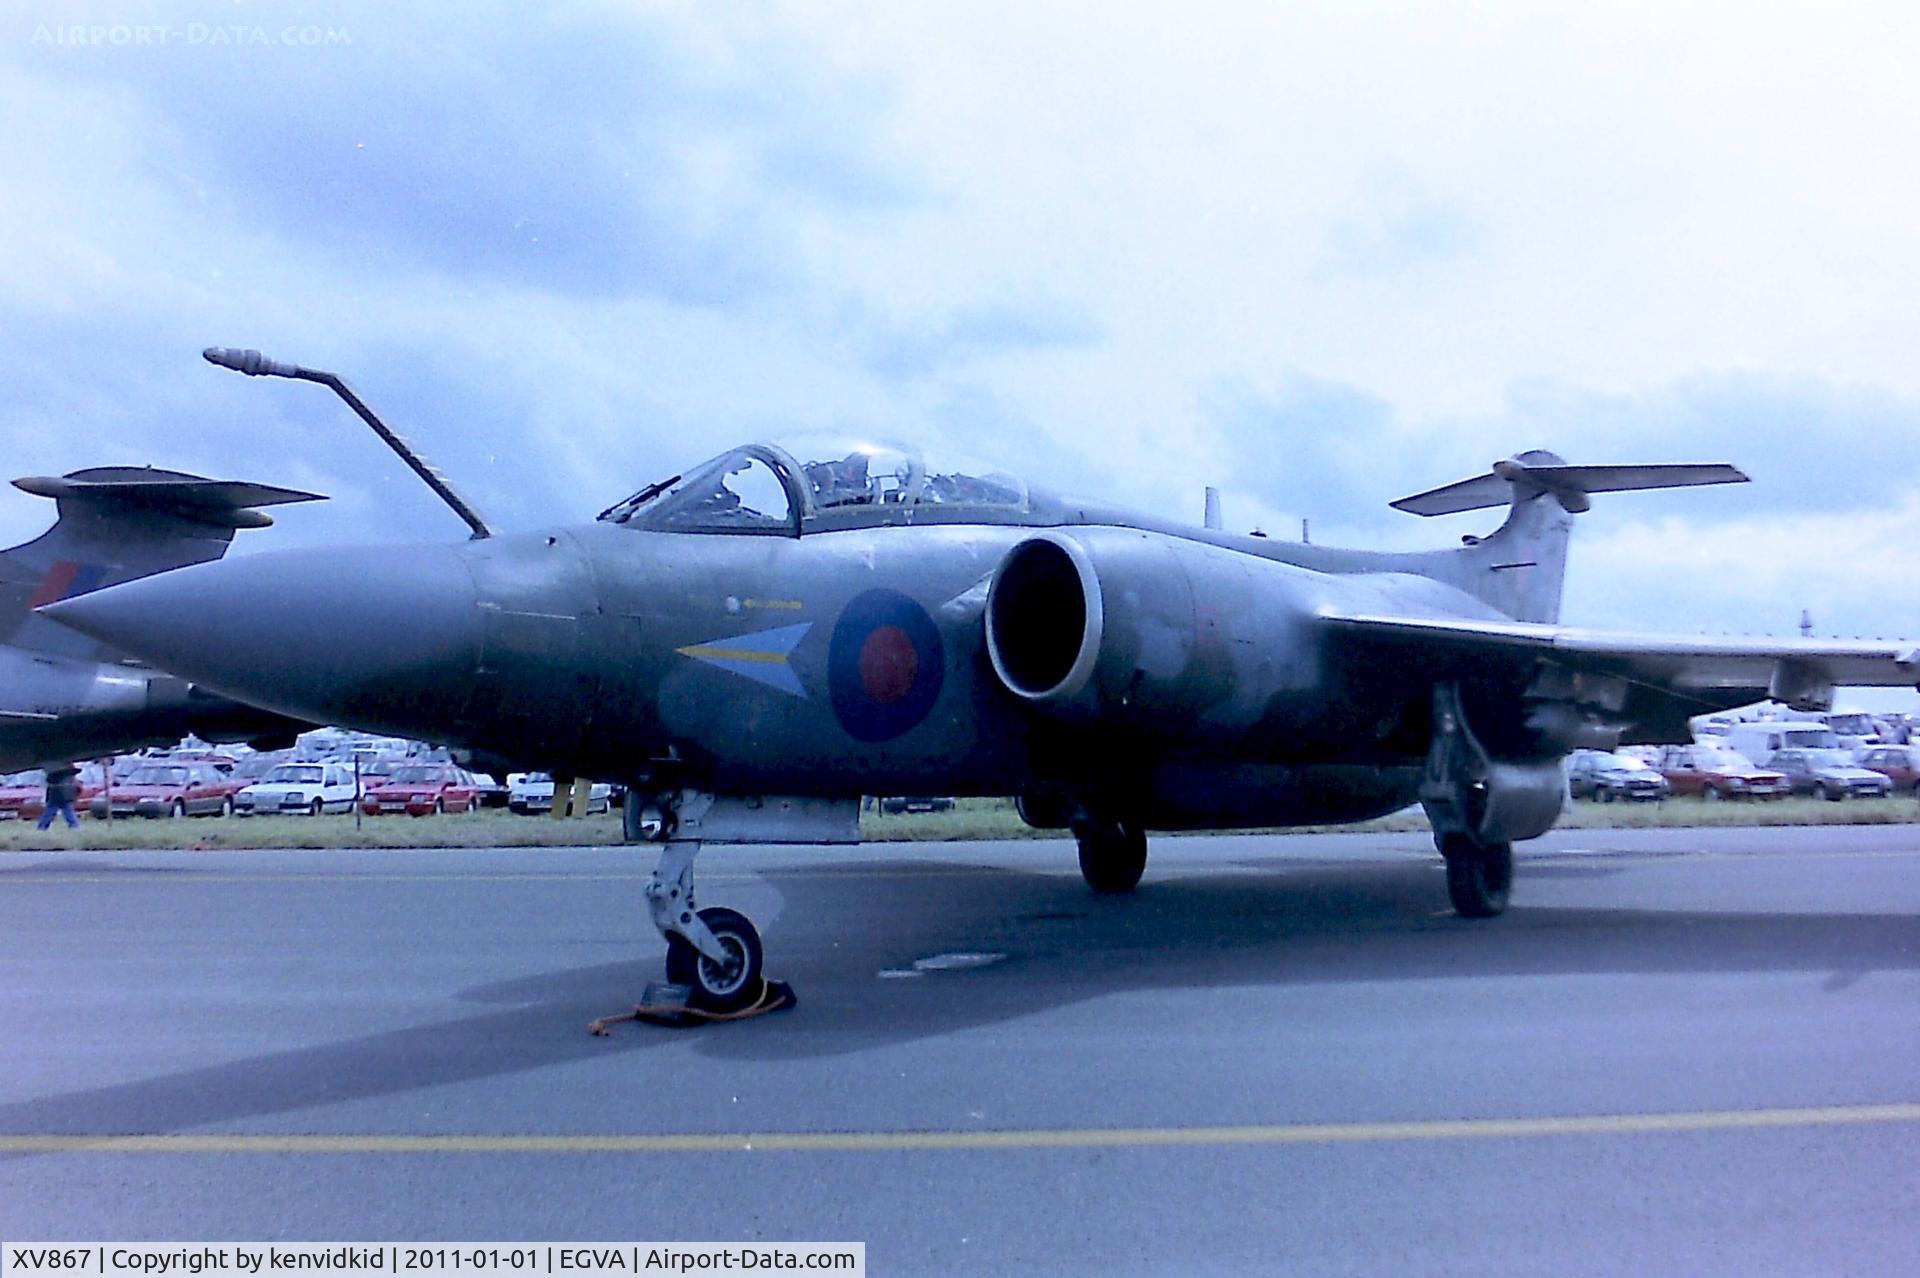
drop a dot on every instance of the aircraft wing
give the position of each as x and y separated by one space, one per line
1667 677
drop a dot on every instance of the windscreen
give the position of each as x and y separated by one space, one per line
755 488
296 774
740 491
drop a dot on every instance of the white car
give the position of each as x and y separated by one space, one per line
529 792
298 788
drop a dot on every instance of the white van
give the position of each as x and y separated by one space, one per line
1855 728
1758 741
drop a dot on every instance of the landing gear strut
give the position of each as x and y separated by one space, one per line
716 952
1113 855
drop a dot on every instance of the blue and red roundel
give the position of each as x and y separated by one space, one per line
885 665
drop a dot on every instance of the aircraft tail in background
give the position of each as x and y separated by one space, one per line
118 523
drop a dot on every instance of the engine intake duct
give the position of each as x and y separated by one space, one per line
1180 640
1045 618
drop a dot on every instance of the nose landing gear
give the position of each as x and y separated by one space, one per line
715 953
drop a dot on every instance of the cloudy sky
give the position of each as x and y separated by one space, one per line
1319 255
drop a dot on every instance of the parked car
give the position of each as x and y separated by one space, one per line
298 788
1596 774
1900 764
914 803
419 789
530 792
194 788
220 759
492 793
23 795
259 763
1831 774
1715 772
1853 728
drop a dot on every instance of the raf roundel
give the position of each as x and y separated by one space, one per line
885 665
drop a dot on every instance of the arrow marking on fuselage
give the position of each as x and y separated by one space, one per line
760 656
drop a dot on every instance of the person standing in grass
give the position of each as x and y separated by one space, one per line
63 787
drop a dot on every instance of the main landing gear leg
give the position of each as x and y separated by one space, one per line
1461 797
1113 855
1479 874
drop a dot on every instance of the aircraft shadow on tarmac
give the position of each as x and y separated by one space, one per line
1288 923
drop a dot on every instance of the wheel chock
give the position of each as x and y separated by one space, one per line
671 1006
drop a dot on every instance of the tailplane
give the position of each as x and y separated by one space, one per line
118 523
1520 569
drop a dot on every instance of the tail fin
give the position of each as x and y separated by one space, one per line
1520 569
117 523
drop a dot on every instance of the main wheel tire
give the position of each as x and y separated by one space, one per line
1112 858
726 986
178 810
1712 794
317 807
1479 876
226 806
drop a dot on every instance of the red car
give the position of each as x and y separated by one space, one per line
163 787
23 795
1715 772
418 789
1901 763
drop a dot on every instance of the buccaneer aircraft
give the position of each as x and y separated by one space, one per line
754 643
68 697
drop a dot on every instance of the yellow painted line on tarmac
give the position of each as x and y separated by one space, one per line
1011 1139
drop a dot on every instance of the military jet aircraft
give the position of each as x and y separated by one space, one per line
752 644
69 697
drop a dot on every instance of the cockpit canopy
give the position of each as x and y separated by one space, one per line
820 484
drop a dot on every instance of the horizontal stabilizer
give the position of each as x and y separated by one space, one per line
1511 481
224 503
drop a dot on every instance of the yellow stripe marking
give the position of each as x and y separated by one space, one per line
934 1141
711 653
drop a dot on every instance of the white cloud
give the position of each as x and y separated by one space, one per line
1321 256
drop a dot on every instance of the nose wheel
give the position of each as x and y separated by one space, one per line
714 952
725 984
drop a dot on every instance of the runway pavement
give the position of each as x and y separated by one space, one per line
1685 1051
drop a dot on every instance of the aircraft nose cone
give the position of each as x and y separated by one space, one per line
384 639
